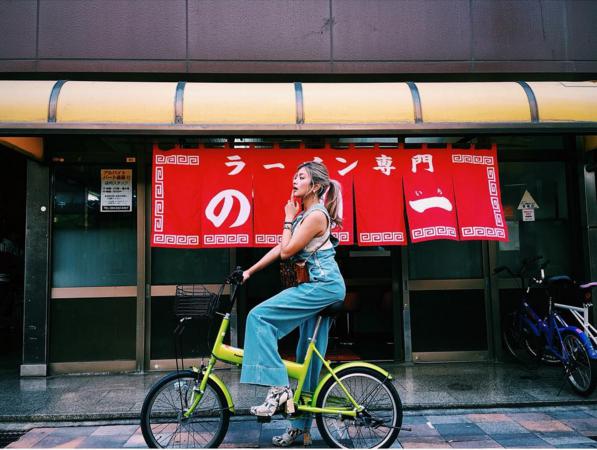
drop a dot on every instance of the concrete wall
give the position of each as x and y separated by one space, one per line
299 36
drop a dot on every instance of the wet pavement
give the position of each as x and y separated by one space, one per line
422 386
546 427
447 405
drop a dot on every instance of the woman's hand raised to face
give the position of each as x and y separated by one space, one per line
291 209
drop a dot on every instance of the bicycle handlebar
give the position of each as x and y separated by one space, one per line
236 276
526 263
524 269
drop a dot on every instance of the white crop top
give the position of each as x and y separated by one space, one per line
314 243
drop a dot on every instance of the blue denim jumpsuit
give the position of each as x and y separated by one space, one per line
293 307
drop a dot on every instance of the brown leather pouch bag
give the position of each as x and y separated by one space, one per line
302 274
293 273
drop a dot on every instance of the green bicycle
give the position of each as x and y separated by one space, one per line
355 404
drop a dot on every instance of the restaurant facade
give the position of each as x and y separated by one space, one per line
89 95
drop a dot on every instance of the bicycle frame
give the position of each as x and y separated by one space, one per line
553 327
583 320
558 325
233 355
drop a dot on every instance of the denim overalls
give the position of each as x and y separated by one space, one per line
279 315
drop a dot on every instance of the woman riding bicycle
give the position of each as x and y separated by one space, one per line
304 236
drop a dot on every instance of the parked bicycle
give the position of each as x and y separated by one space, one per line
551 339
355 404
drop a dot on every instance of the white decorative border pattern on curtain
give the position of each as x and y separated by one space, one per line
159 207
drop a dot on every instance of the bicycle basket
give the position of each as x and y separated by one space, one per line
194 300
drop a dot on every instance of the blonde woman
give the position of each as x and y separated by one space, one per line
304 236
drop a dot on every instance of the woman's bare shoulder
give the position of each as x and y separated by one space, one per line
316 218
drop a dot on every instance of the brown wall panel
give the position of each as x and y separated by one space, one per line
582 34
127 29
523 66
258 67
404 30
17 28
585 66
116 66
259 29
11 65
403 67
299 36
518 29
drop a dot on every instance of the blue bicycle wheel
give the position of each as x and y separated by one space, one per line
581 370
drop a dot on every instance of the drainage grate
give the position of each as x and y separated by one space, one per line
8 437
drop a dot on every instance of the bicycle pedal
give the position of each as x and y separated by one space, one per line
307 440
264 419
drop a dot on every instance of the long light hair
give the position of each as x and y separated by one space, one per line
330 190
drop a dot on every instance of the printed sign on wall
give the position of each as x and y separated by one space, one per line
116 190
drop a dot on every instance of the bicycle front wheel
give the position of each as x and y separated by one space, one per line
162 417
377 426
582 370
518 340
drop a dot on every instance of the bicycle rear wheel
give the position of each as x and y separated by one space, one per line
162 421
581 370
377 426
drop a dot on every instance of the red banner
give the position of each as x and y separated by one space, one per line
236 197
341 165
176 218
429 195
226 198
272 186
478 199
378 198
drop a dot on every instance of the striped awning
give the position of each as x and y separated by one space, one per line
42 107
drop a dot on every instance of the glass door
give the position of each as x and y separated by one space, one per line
446 302
548 233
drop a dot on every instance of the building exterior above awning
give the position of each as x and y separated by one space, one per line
41 107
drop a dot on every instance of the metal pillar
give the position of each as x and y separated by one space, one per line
37 270
588 213
140 353
408 349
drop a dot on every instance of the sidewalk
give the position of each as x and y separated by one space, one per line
422 386
547 427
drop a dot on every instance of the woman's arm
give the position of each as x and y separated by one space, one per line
314 225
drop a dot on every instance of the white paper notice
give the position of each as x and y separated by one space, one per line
117 190
528 215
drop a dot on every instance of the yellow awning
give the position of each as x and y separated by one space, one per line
41 107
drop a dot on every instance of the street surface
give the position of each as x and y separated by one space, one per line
544 427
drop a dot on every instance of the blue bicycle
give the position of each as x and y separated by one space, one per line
551 339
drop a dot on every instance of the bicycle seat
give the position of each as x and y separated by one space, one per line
559 279
332 310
